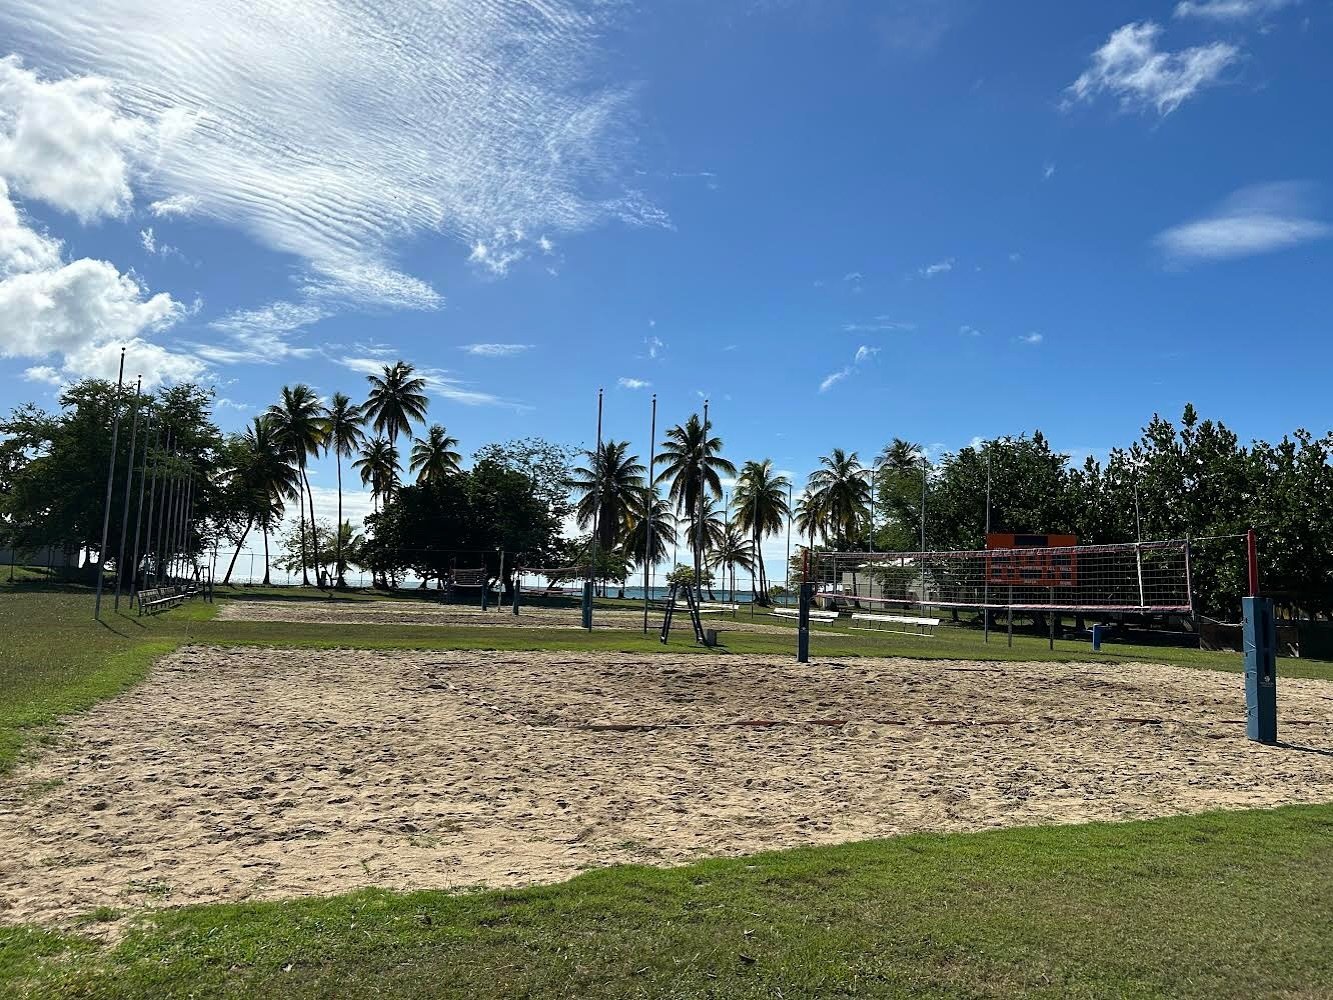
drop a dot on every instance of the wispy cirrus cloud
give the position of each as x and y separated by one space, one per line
937 268
633 383
1259 219
495 350
1230 10
331 130
878 324
863 354
259 336
1131 68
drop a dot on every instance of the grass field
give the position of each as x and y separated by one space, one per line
1227 904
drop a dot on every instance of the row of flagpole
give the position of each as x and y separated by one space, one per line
163 534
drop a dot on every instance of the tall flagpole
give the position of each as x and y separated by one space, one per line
652 510
129 484
139 520
699 517
110 480
985 600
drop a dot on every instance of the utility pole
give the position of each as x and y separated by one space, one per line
699 518
110 480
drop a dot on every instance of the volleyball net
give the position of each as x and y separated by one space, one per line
1136 577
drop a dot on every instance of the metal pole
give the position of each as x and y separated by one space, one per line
139 520
129 484
110 480
873 465
699 519
791 516
1009 616
598 471
924 467
985 576
652 509
1252 561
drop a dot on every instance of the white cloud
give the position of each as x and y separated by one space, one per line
176 206
969 331
496 350
64 141
256 336
1031 338
83 312
831 380
1132 68
43 373
853 276
939 267
863 354
65 309
1230 10
632 383
1047 171
334 131
545 245
655 347
22 248
876 325
1258 219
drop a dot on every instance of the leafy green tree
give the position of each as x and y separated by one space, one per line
432 527
683 575
646 505
548 467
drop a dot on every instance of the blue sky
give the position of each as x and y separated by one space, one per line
840 221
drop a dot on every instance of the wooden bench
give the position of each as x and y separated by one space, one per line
815 616
921 626
159 598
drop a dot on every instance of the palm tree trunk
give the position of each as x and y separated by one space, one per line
305 576
314 532
232 565
267 581
338 530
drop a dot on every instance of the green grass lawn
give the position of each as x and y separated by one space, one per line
1234 904
1220 905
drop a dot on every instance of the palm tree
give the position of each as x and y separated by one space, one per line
273 476
900 455
300 425
610 484
376 466
733 549
840 494
434 455
263 478
761 510
646 505
694 468
396 400
345 438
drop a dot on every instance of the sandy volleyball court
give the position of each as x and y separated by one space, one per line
403 612
244 773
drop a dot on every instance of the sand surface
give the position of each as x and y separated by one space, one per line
407 612
235 774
